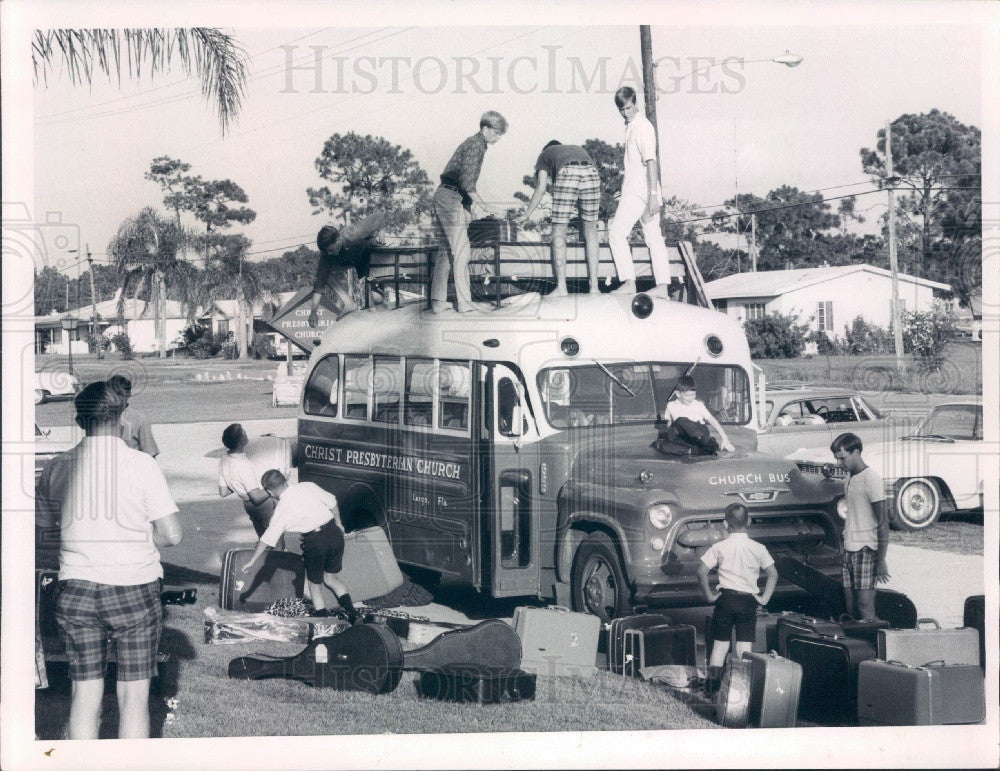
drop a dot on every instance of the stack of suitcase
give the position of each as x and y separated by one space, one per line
648 640
923 676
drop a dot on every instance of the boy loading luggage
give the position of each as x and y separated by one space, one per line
307 508
739 561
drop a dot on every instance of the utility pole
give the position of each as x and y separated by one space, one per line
649 83
897 326
753 243
93 305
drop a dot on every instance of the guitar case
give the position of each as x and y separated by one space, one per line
489 645
732 702
366 657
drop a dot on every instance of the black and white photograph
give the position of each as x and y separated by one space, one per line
500 385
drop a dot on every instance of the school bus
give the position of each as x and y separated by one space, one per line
511 448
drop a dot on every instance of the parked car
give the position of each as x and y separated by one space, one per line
937 469
51 441
50 385
802 418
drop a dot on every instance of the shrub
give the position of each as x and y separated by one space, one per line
97 343
824 345
123 344
862 338
925 335
775 336
230 350
261 346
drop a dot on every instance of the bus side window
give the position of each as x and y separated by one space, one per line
321 391
357 378
454 380
419 392
385 384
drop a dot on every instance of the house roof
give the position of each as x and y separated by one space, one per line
772 283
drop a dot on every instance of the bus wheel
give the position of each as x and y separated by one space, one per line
599 584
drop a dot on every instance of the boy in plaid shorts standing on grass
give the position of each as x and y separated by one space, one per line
866 530
575 184
113 509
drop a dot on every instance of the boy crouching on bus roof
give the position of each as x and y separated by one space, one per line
307 508
739 560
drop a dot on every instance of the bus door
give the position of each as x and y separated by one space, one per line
510 490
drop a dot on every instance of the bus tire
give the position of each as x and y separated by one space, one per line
599 585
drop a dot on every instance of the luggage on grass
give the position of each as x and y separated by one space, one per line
278 574
775 684
657 645
789 624
227 627
891 693
974 617
732 701
829 693
490 644
370 568
918 646
615 642
864 630
557 641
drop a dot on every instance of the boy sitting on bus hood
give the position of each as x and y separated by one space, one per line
344 259
687 405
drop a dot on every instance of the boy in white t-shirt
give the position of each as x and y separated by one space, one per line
687 405
739 560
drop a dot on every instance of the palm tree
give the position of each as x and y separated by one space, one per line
144 251
214 56
230 276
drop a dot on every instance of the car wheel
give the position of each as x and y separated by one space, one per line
916 504
599 585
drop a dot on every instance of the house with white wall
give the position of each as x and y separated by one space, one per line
827 299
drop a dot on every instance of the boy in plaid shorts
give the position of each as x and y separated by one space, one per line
866 529
113 509
575 184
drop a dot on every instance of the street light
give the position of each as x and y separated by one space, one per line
69 324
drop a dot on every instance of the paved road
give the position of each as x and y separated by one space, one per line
937 582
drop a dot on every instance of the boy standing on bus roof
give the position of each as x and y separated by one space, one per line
739 560
307 508
866 529
640 197
575 183
687 405
453 202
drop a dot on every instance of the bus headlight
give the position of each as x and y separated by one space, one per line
842 507
660 516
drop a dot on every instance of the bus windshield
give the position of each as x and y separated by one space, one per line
622 393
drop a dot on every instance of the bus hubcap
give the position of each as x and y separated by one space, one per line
599 588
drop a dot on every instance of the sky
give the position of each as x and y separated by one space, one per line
730 127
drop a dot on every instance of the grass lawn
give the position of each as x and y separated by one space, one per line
193 697
958 534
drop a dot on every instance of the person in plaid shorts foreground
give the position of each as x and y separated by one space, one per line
113 509
866 529
575 184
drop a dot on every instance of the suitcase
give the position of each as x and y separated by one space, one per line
829 692
477 686
918 646
490 644
279 574
489 230
789 624
765 634
656 646
892 693
732 701
775 684
370 568
557 641
615 643
974 617
864 630
963 692
365 657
